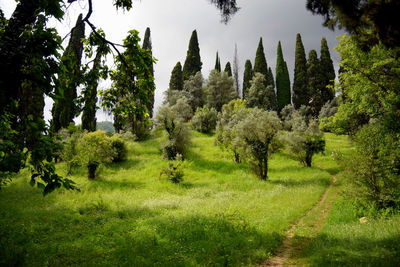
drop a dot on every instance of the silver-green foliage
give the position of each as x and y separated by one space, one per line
258 94
183 109
256 131
220 90
177 134
305 139
205 120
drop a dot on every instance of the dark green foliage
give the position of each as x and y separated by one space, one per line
173 172
220 90
120 148
131 84
228 69
176 81
217 66
247 76
301 94
99 69
327 73
193 62
260 63
270 78
147 45
314 82
204 120
282 80
70 76
370 21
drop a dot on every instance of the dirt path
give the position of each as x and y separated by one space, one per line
312 221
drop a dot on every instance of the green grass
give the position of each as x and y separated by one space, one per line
220 215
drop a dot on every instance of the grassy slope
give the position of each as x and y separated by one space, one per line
220 215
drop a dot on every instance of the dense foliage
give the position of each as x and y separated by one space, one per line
283 93
204 120
247 76
301 94
193 62
220 90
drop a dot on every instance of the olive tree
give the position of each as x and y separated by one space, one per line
257 131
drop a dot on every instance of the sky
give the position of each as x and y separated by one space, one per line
172 22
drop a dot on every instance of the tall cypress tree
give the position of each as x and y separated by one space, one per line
314 82
64 109
228 69
270 78
247 76
193 62
327 72
260 62
217 63
147 45
176 81
301 94
282 80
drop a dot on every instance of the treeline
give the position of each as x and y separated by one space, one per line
313 84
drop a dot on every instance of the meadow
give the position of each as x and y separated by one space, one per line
220 215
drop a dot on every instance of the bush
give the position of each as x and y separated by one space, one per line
177 133
68 138
120 148
183 109
374 167
305 139
204 120
95 148
173 172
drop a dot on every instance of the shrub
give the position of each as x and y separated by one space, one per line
95 148
204 120
119 146
183 109
305 139
177 133
173 172
257 131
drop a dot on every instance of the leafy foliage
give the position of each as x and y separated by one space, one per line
220 90
228 69
173 172
193 62
119 147
247 76
204 120
260 96
193 88
176 81
283 93
183 109
177 133
301 94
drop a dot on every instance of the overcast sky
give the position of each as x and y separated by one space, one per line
172 22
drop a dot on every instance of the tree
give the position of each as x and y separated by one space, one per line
193 62
370 21
228 69
260 63
236 72
183 109
270 78
217 63
259 95
301 94
282 80
205 120
257 131
70 76
193 87
247 76
314 82
147 45
220 90
130 83
327 73
91 79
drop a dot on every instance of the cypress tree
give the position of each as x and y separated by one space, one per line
327 72
217 63
147 45
260 63
64 109
228 69
282 80
301 94
247 75
176 81
193 62
270 78
314 82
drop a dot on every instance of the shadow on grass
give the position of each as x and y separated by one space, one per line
225 167
114 184
196 241
300 183
123 165
325 250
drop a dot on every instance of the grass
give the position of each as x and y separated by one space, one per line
220 215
